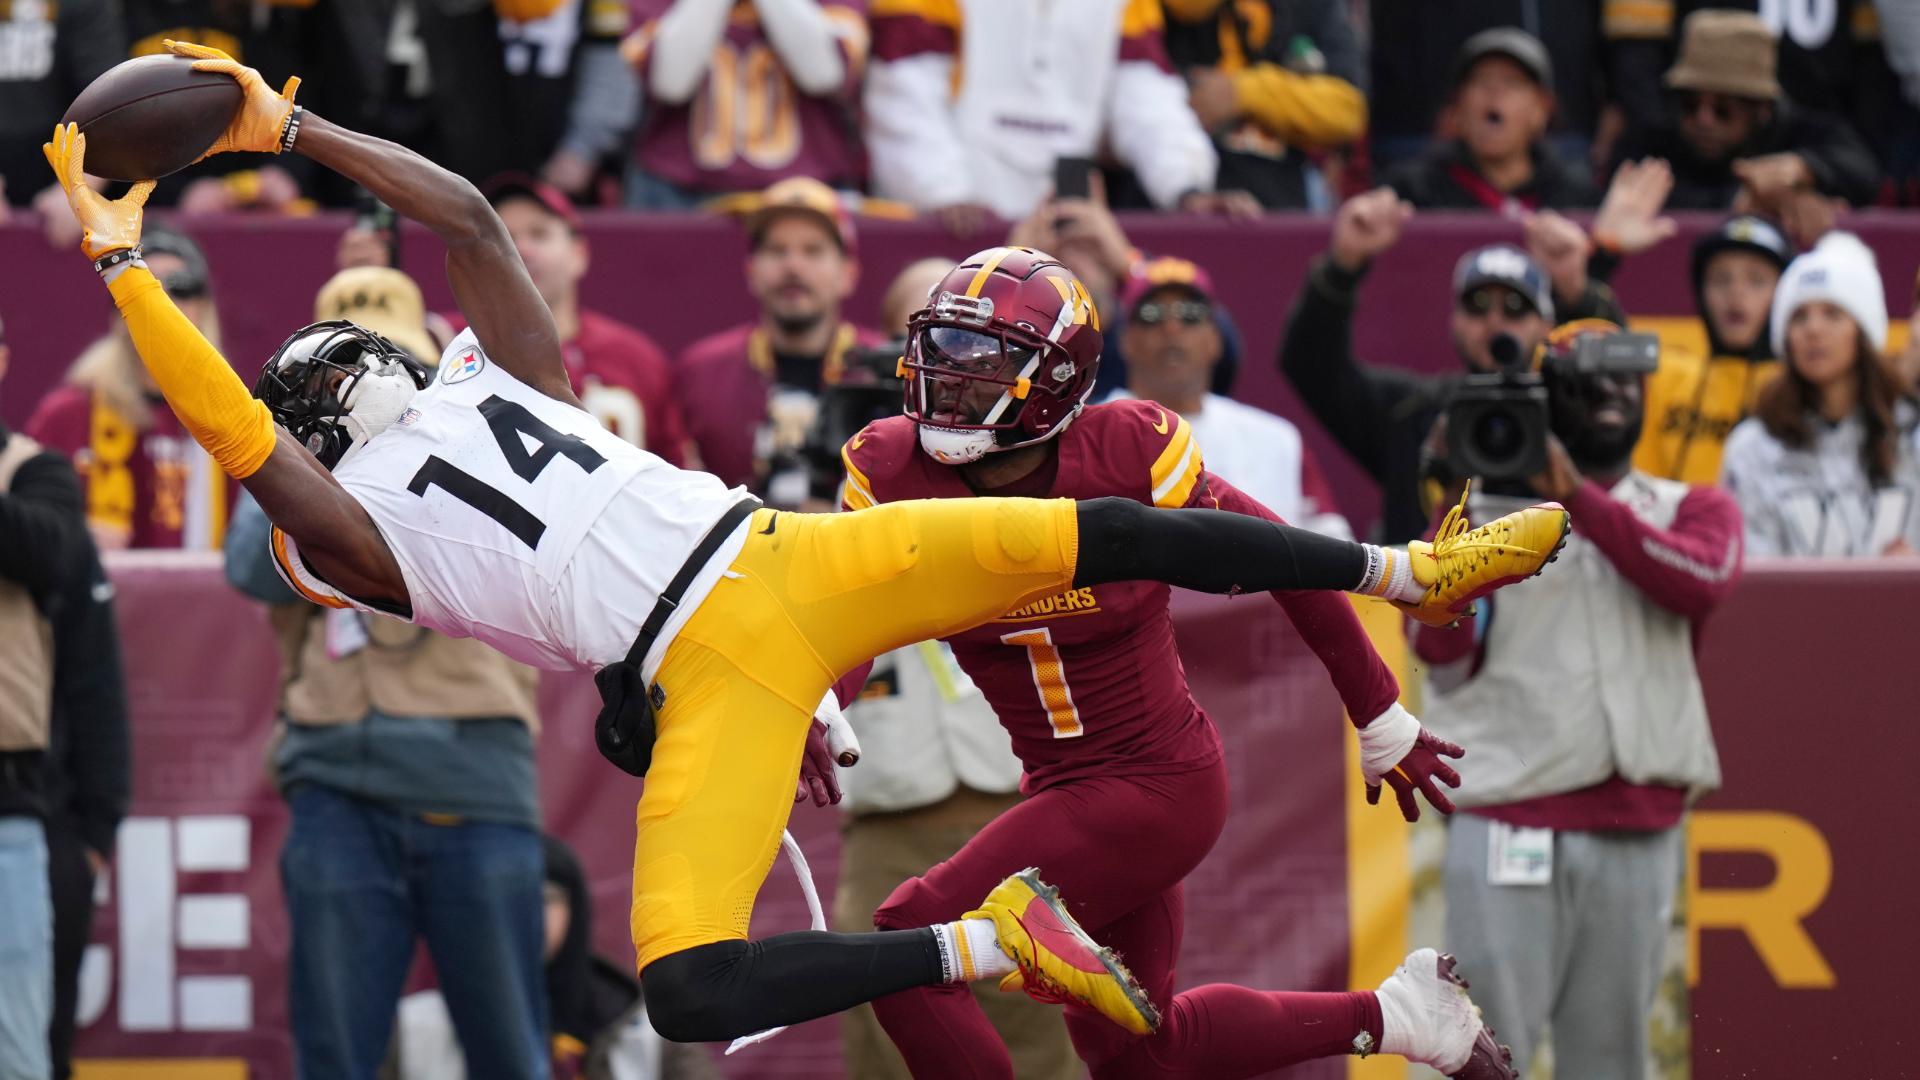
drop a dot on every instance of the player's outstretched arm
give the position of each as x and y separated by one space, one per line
489 281
334 532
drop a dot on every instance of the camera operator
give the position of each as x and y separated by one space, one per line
1579 693
1380 415
749 394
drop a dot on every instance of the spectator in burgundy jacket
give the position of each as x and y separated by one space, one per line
1580 696
750 393
622 377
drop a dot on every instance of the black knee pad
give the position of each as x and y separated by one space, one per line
688 993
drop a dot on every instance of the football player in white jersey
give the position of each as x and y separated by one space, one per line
489 504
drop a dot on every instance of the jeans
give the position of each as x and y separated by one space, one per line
362 883
26 950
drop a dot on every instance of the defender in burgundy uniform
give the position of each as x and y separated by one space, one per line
1126 787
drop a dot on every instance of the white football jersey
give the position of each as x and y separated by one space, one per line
488 492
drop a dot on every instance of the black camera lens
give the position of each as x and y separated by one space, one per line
1498 435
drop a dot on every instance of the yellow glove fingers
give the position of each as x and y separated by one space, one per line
292 87
136 196
219 67
59 152
189 49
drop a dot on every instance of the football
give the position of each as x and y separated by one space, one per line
152 116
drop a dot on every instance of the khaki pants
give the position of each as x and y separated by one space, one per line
879 851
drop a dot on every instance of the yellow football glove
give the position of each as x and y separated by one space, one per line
105 226
262 120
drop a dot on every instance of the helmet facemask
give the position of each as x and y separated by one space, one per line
975 385
334 385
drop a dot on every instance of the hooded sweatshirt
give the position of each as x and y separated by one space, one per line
1694 401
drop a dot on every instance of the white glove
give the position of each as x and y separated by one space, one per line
841 740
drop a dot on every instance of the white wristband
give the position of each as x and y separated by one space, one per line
842 743
1386 740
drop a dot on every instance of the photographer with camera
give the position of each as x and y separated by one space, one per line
1381 415
1580 696
749 395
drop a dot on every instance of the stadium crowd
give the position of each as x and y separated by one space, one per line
407 757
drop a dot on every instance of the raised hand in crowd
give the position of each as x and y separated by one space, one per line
1767 182
1806 216
1083 224
1561 247
1629 221
1367 225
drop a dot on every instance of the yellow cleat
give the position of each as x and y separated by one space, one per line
1462 564
1057 960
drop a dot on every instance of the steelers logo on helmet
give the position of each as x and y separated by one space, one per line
1004 355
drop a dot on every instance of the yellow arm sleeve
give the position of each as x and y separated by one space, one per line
198 382
1301 110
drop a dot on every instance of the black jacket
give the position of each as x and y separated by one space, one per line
1435 181
43 540
1379 415
1840 160
88 763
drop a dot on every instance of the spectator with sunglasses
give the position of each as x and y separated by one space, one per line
1736 141
147 483
1175 338
1381 415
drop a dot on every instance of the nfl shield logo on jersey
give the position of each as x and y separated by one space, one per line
465 368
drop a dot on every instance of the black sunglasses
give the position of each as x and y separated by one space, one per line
1722 107
1482 300
1190 312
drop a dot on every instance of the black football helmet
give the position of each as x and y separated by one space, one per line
309 377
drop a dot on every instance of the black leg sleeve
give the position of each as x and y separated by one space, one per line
722 991
1211 551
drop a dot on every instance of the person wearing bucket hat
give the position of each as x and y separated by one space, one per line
1174 339
384 301
1736 140
1694 399
1827 465
1835 56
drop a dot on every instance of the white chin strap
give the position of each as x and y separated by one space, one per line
955 446
376 400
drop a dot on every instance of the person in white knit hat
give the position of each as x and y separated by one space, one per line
1826 465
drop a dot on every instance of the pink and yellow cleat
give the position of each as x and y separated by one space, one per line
1058 961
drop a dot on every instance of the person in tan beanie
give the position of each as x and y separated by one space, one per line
1737 142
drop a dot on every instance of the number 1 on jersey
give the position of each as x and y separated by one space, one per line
1050 678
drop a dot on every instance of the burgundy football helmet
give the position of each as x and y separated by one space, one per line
1003 355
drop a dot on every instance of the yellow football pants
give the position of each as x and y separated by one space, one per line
810 596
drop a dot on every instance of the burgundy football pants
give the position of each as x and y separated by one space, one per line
1117 847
